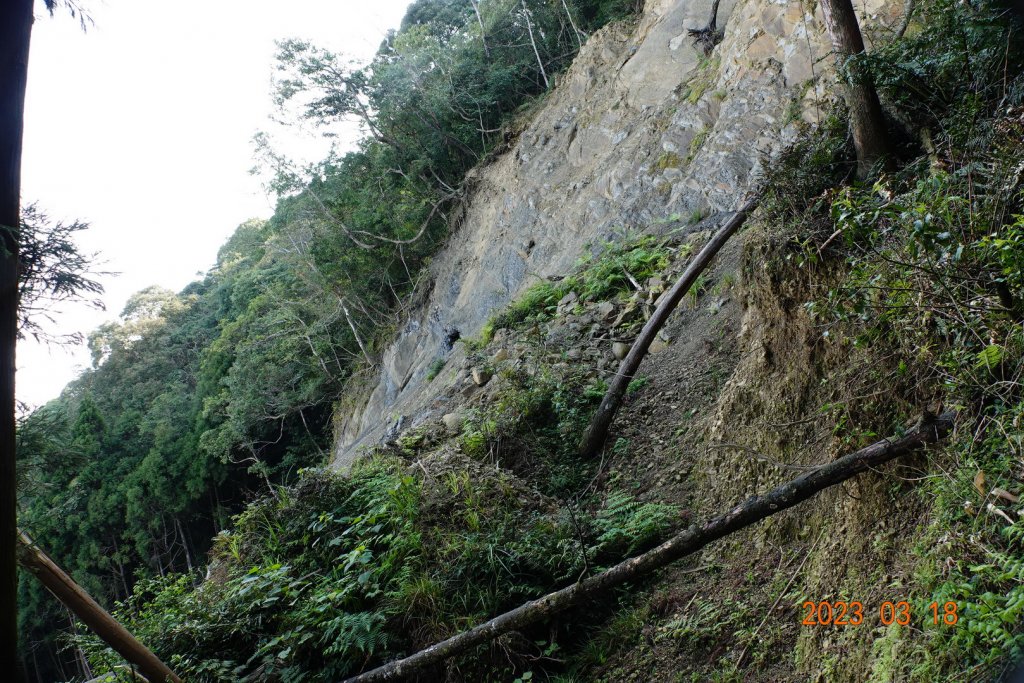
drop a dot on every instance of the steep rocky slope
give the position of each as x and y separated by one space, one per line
743 391
643 127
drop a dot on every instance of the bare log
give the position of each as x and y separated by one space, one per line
908 13
74 597
533 42
480 21
929 430
597 432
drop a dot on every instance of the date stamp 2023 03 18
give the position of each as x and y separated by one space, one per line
842 613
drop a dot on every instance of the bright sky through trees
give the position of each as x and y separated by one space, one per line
142 127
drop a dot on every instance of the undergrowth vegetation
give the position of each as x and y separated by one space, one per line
199 400
921 268
338 573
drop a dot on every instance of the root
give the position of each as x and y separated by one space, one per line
709 36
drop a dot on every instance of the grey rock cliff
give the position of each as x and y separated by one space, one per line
642 127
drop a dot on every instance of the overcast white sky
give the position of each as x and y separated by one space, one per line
142 127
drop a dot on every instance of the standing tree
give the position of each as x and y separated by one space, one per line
15 31
15 34
866 120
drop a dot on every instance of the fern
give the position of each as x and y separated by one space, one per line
625 524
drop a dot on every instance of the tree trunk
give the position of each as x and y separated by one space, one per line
595 435
685 543
35 666
480 21
15 33
580 35
869 135
74 597
533 42
184 544
84 670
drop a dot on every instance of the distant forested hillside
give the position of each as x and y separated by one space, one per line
198 400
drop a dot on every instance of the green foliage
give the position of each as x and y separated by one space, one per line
338 573
918 253
698 140
625 525
51 270
303 593
599 12
699 286
620 633
636 384
985 580
951 75
668 160
705 624
595 279
801 175
435 368
927 264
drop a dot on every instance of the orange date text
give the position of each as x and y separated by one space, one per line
843 613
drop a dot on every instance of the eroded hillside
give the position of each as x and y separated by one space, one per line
744 389
642 128
844 312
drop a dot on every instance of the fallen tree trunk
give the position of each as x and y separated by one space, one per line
597 432
930 430
74 597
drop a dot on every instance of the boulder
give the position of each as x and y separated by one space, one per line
567 302
481 376
452 422
628 314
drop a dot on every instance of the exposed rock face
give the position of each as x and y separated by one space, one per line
642 127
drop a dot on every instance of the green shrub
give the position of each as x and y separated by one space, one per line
625 525
435 368
595 279
304 590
